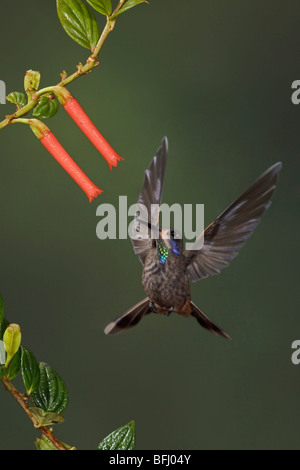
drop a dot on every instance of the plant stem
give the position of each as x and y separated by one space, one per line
81 70
22 402
120 4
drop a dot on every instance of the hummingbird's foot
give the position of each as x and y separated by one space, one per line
169 311
151 305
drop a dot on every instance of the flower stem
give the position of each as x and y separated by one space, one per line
22 402
81 70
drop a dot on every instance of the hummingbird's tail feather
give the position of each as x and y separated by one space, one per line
206 323
129 318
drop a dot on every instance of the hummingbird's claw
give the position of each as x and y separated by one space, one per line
151 305
169 311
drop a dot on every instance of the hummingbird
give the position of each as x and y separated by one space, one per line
168 267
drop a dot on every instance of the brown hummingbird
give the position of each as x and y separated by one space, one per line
167 267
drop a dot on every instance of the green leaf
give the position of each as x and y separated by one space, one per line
3 325
46 108
43 443
103 6
30 370
31 82
46 418
1 309
12 341
17 98
129 4
14 366
121 439
78 22
51 393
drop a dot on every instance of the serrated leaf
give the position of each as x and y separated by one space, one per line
30 370
78 22
18 98
127 6
12 341
14 366
46 418
121 439
46 108
51 393
103 6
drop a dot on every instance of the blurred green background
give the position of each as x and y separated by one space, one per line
215 77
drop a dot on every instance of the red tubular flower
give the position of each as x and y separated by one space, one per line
79 116
53 146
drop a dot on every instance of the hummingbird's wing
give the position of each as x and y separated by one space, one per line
224 237
129 318
150 194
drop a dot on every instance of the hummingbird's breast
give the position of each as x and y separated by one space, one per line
166 284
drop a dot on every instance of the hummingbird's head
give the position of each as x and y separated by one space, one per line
165 240
172 239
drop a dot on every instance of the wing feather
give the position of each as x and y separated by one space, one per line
150 194
224 238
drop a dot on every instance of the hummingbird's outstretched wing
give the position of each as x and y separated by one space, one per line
150 194
129 318
224 237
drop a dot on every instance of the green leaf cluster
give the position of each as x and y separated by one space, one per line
46 107
43 385
46 391
80 23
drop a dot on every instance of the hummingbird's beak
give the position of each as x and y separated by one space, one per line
164 234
